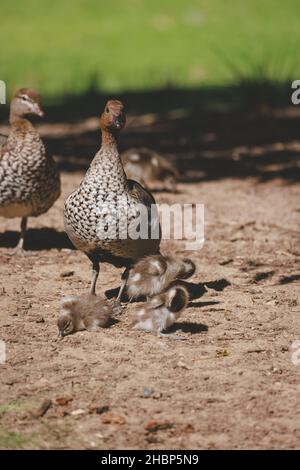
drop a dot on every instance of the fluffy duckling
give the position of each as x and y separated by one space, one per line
29 179
84 313
153 274
162 311
150 169
102 211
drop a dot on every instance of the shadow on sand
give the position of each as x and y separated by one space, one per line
208 133
37 239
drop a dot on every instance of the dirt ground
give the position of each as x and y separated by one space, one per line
230 384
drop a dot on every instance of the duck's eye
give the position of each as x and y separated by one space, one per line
106 109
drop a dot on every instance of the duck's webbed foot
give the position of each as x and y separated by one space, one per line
19 251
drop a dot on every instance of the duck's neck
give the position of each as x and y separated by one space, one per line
20 123
109 141
107 162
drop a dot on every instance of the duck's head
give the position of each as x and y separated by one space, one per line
26 102
176 298
187 269
66 320
65 325
113 117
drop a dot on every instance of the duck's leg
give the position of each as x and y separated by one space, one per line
19 250
95 274
123 284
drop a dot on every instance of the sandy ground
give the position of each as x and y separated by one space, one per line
230 384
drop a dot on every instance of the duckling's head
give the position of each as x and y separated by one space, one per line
66 321
177 298
26 102
187 269
65 325
113 118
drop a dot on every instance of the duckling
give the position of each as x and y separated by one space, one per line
162 311
100 213
150 169
153 274
29 179
84 313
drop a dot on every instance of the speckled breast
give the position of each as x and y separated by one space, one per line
101 222
29 181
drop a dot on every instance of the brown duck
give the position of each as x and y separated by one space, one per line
29 179
101 214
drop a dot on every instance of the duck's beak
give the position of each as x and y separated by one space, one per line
118 122
38 110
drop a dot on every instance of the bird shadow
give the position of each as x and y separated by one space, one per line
203 304
288 279
195 290
113 293
37 239
218 285
188 327
112 321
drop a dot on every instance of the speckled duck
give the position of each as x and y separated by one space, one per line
29 179
102 196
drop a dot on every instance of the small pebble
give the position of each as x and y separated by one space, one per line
78 412
148 392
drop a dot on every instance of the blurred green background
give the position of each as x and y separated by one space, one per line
63 46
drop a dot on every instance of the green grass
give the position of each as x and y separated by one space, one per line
13 440
15 406
63 46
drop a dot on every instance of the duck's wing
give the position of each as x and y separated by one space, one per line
140 193
145 198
